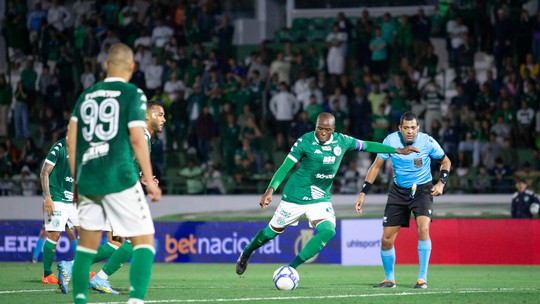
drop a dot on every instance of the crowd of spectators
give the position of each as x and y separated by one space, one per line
232 117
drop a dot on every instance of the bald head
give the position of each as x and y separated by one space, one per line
120 61
326 119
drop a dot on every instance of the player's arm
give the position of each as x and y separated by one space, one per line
71 142
48 205
277 179
375 147
371 175
438 188
140 148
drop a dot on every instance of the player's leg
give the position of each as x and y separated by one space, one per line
424 250
129 215
48 257
39 244
286 214
106 250
322 217
119 257
54 224
262 237
140 270
65 267
100 281
92 223
73 239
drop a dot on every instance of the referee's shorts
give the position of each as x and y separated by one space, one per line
401 203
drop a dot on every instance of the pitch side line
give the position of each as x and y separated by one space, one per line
330 297
25 291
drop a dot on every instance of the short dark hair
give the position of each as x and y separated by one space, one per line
152 103
407 116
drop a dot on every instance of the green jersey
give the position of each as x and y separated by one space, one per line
60 180
104 114
149 141
319 164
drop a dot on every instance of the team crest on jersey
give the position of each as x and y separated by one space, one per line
418 162
337 151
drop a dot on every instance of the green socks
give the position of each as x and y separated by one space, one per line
261 238
81 268
119 257
141 270
325 232
48 256
104 251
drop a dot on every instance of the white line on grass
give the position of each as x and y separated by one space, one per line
331 296
25 291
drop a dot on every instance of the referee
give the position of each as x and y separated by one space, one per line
412 190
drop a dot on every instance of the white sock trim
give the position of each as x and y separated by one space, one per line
85 249
147 246
135 301
51 241
112 245
102 275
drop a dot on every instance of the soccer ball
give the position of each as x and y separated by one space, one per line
286 278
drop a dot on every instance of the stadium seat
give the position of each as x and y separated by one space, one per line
300 24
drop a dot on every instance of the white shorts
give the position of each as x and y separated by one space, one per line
127 211
64 214
288 214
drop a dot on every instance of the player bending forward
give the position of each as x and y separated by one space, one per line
319 154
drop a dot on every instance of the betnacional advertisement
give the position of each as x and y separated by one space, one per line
222 242
361 242
357 242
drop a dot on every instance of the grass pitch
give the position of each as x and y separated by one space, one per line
218 283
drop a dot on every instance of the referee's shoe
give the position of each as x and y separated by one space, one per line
386 284
421 284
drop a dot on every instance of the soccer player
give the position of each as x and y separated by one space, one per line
319 154
412 190
105 130
117 248
155 119
58 208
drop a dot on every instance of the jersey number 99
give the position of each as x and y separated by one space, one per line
100 120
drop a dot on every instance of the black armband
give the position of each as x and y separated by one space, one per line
443 176
366 187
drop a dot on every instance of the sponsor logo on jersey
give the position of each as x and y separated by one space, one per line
317 192
318 151
69 179
324 176
337 151
418 162
329 160
95 150
327 148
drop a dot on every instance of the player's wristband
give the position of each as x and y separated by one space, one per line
366 187
443 176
